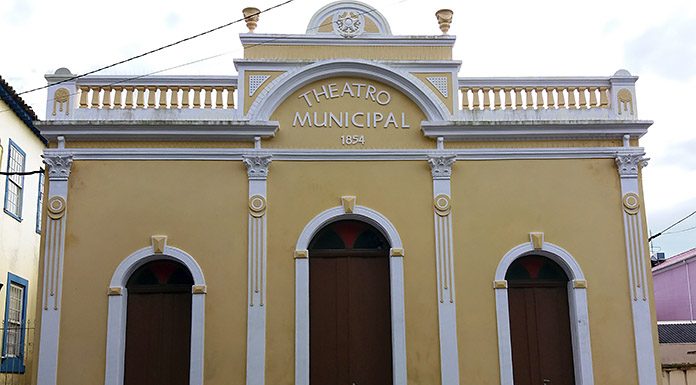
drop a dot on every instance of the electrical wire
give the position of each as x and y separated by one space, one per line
679 231
22 173
270 40
672 225
156 49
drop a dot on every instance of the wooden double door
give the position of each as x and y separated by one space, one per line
158 325
350 320
542 351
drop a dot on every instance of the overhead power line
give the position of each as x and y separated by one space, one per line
156 49
674 224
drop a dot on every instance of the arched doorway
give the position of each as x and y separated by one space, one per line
542 350
158 325
350 307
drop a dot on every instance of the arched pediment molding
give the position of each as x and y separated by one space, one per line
355 6
549 250
283 86
360 213
145 255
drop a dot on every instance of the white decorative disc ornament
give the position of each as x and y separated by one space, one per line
348 23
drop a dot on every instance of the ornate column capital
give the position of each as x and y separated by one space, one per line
257 166
629 164
58 165
441 165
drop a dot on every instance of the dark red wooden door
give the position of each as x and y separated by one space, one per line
158 326
350 321
540 332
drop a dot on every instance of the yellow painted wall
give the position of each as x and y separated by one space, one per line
317 52
19 242
113 209
577 204
330 137
401 191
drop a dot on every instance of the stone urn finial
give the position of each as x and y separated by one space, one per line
444 18
251 15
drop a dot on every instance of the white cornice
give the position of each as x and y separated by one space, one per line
333 40
534 130
195 130
344 155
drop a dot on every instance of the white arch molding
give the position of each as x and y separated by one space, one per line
284 85
116 327
396 275
577 303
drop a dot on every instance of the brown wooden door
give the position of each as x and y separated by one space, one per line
540 333
158 325
350 320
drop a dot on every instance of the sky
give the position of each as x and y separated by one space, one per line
654 40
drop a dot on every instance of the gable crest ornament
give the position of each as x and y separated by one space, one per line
348 23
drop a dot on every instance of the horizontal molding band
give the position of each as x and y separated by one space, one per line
343 155
331 39
534 130
194 130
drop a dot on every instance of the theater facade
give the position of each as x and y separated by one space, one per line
349 209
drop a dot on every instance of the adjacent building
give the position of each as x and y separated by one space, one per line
349 208
21 147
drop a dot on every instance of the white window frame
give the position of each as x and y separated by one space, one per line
396 273
118 301
39 201
577 302
14 363
15 180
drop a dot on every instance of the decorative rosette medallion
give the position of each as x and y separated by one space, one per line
56 207
348 23
631 203
257 206
442 205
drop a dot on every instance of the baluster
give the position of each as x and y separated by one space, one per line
230 97
118 97
84 94
162 103
571 98
508 98
218 98
95 97
129 97
518 98
593 97
151 96
528 101
583 98
539 98
208 98
106 98
603 97
197 97
496 98
550 98
174 97
465 98
486 98
476 103
185 97
140 97
561 97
